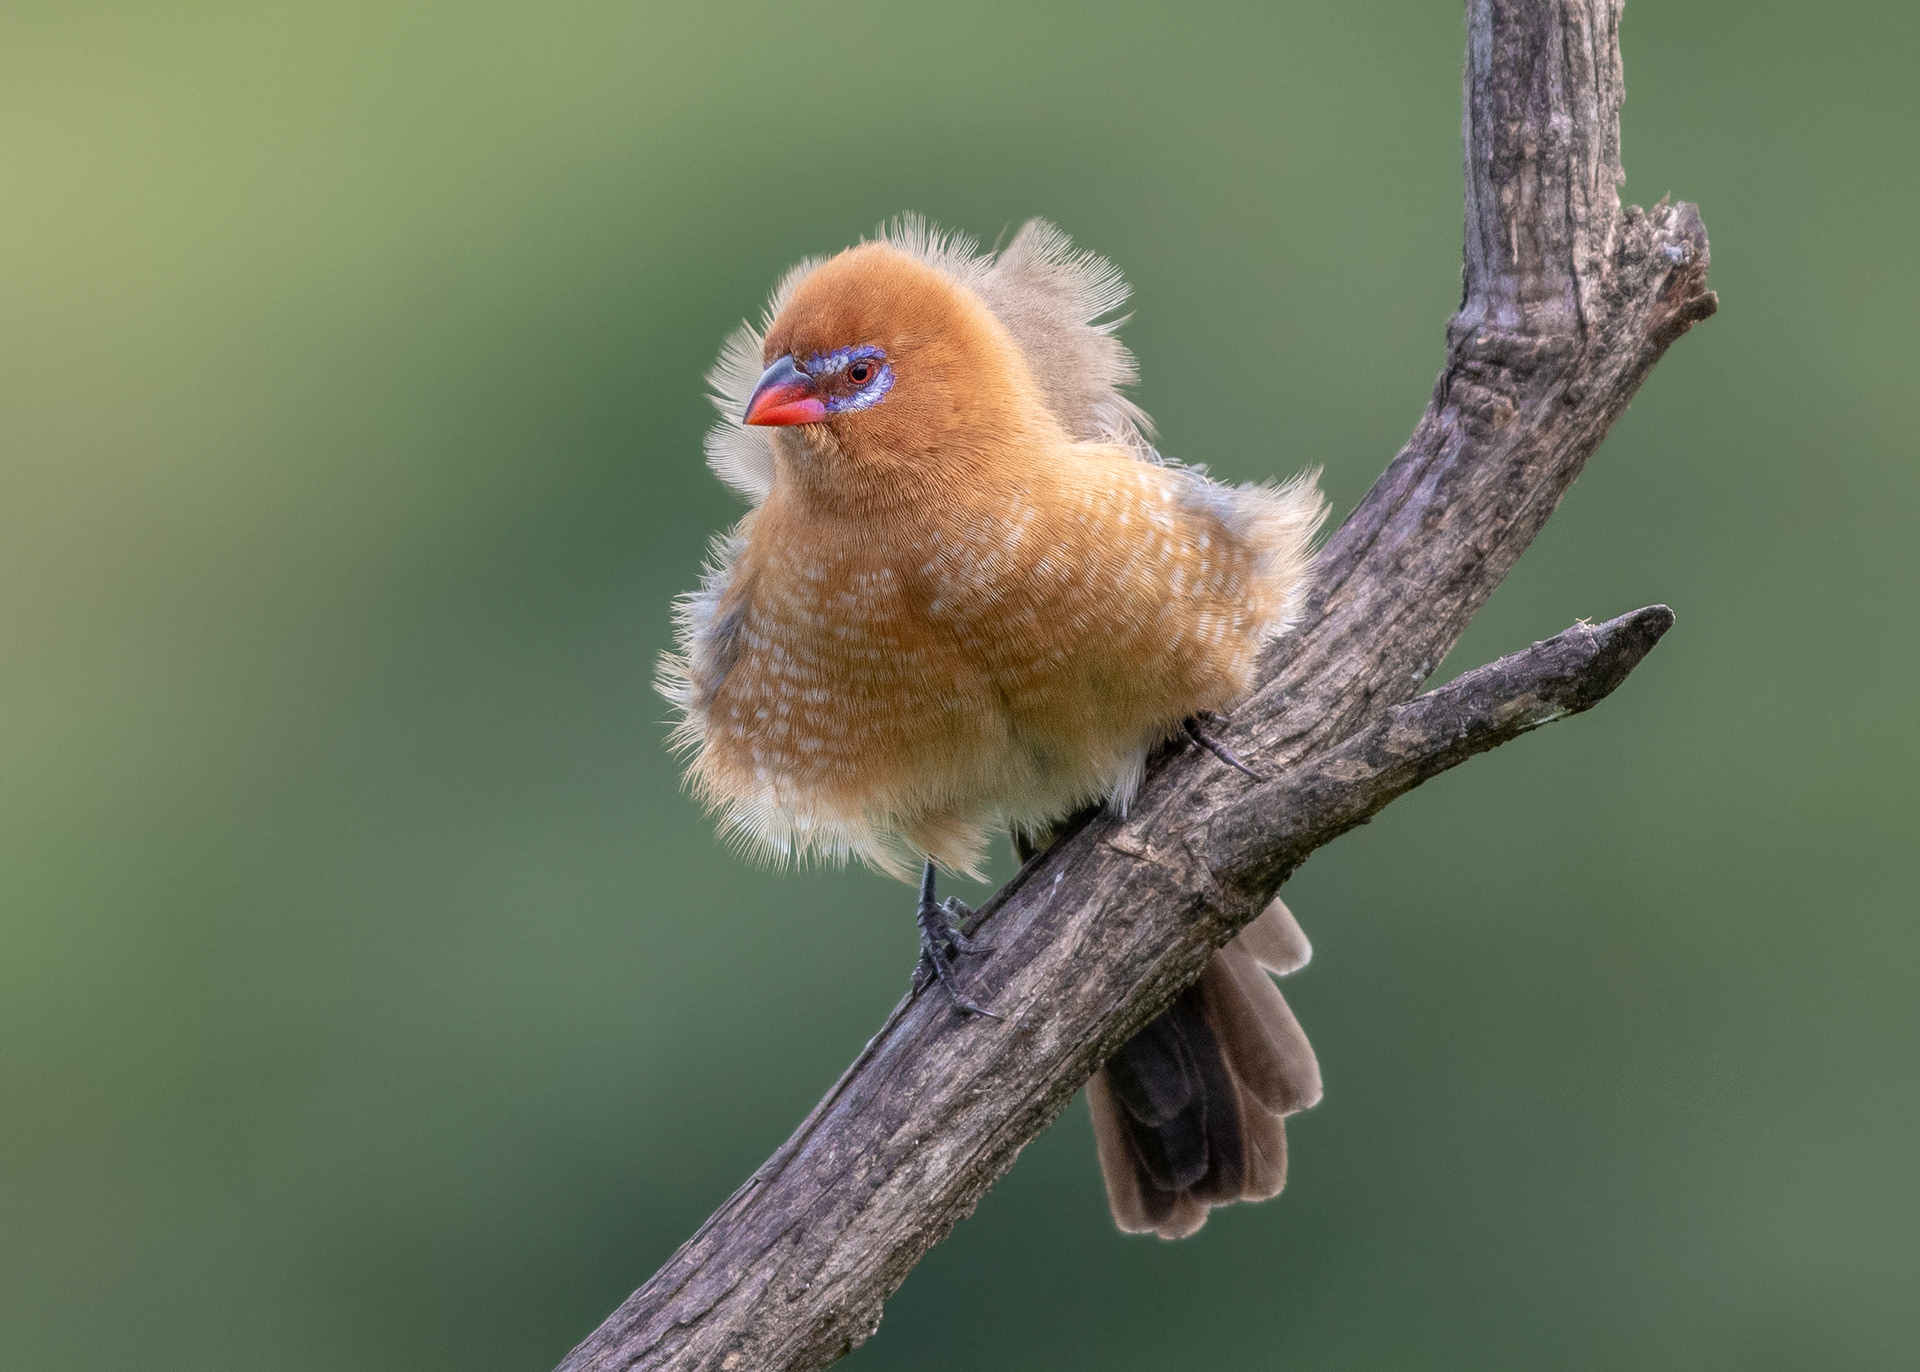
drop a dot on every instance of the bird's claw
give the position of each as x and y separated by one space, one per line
1217 748
932 968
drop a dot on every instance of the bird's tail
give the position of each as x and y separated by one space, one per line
1190 1113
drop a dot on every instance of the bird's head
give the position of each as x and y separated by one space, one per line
881 366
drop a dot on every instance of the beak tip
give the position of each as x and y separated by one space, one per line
781 411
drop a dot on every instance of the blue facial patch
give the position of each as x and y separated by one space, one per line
822 367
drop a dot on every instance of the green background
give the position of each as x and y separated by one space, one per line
372 998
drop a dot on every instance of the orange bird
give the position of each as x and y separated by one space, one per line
971 597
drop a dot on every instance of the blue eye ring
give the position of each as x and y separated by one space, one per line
864 369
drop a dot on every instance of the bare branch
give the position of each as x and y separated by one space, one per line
1256 841
1568 303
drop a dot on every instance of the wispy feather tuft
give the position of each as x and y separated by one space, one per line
1056 301
740 455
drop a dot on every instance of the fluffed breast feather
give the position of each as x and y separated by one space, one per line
848 691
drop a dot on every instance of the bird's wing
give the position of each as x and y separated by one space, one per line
1056 300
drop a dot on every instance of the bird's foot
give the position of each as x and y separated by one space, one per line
1216 747
940 941
957 913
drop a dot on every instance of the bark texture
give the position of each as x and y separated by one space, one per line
1568 302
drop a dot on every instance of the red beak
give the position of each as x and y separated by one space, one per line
785 396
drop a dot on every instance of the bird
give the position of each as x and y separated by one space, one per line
970 596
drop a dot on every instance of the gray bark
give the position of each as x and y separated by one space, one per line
1568 302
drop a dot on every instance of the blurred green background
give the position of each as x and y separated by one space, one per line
372 998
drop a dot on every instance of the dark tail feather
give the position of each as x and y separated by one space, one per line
1190 1112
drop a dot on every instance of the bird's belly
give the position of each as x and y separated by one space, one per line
893 720
923 691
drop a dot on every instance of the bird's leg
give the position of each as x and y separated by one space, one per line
937 933
954 913
1216 747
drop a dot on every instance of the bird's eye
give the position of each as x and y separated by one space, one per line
860 373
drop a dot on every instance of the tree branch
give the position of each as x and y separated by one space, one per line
1254 843
1568 303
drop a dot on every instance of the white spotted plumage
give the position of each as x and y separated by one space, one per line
895 676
